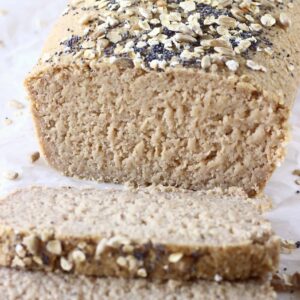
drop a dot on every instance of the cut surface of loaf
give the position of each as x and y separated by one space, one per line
21 285
145 233
190 94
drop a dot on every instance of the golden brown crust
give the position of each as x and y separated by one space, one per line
281 58
134 260
283 282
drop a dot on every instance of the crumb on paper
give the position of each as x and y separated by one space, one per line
35 156
3 12
296 172
287 246
40 24
297 181
16 104
286 282
19 112
7 121
11 175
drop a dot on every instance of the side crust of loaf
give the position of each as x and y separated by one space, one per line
20 285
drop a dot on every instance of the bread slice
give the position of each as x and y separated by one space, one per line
147 233
21 285
191 94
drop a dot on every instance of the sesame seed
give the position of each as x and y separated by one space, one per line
18 262
254 66
121 261
175 257
65 264
179 37
20 250
84 20
78 256
227 22
188 6
268 20
54 247
31 242
142 273
284 20
218 278
232 65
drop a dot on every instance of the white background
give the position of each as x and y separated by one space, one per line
23 30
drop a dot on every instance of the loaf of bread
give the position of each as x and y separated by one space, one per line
20 285
137 234
193 94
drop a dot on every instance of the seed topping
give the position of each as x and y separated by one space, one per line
169 33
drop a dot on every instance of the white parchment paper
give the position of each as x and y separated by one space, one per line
23 30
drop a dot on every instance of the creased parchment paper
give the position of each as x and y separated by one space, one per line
24 26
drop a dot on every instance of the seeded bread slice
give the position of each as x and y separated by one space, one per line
20 285
147 233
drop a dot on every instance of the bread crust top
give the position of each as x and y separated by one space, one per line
254 41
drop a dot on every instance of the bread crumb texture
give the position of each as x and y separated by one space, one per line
193 94
137 234
16 285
